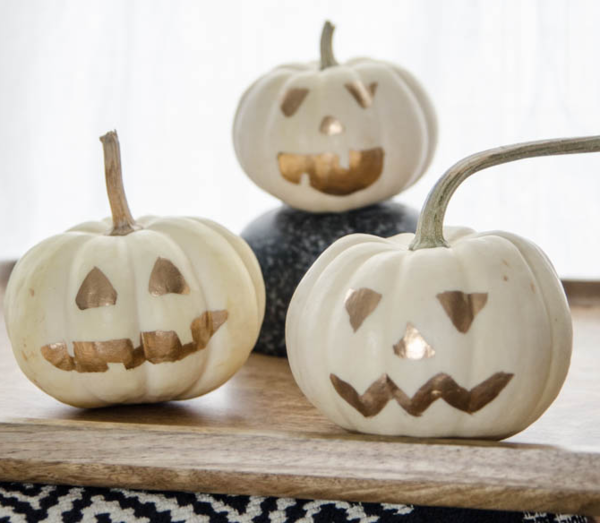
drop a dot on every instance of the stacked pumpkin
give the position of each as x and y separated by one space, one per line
335 141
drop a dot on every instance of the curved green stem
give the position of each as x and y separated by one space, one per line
123 222
430 231
327 58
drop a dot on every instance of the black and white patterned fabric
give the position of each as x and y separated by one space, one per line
26 503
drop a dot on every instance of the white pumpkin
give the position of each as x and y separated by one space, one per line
328 137
146 311
416 336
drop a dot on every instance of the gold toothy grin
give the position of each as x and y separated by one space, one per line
383 390
155 347
327 176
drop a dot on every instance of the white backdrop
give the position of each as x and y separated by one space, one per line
168 74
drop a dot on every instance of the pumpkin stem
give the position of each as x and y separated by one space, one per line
327 58
430 229
123 222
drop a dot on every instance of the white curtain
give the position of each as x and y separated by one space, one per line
168 75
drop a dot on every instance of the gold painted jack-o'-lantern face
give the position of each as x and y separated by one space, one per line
332 137
461 309
323 169
156 346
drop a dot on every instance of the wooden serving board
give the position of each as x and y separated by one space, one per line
259 435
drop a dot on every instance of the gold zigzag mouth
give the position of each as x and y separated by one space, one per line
383 390
327 176
155 347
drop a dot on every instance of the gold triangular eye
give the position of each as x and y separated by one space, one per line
96 291
462 308
292 99
167 279
359 304
362 94
373 89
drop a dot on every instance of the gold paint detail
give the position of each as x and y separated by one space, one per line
330 125
95 291
292 99
359 304
94 356
166 279
462 308
326 175
155 347
413 346
362 94
206 325
58 355
165 346
441 385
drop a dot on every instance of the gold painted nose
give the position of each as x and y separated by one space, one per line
413 346
331 125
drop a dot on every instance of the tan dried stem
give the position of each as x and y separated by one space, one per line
123 222
327 58
430 229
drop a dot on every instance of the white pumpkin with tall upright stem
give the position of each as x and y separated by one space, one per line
330 137
442 333
134 311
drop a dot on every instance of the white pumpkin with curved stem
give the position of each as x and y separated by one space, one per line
134 312
418 336
330 137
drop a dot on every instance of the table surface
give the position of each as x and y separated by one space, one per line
259 435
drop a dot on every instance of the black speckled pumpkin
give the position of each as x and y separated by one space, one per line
287 242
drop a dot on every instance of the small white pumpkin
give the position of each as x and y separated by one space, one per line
418 337
120 311
328 137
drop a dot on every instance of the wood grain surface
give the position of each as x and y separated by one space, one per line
259 435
